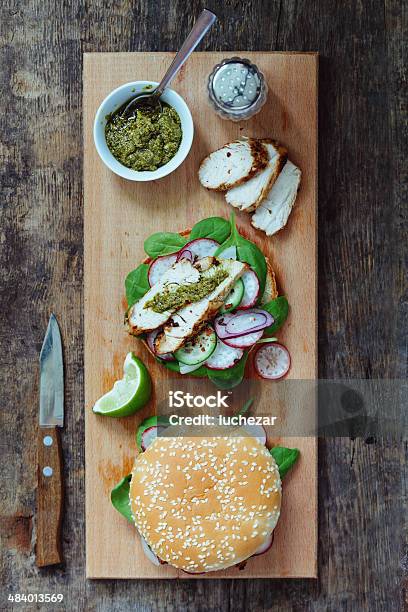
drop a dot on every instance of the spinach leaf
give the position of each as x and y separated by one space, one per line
137 284
285 458
215 228
120 498
228 379
279 309
247 252
231 240
164 243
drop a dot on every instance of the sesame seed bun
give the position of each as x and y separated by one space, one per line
205 503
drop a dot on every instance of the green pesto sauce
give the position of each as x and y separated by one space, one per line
145 141
173 299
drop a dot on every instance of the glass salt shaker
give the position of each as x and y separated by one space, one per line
237 89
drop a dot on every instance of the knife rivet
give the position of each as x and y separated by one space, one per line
47 441
47 471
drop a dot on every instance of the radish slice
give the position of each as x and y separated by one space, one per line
244 341
201 247
186 369
149 553
256 431
149 435
159 266
272 361
242 323
263 548
150 338
185 254
251 289
248 322
220 323
223 357
229 253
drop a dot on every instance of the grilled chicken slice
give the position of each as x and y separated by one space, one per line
249 195
142 319
187 321
274 211
233 164
204 263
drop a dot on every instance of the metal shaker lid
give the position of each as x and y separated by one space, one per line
236 84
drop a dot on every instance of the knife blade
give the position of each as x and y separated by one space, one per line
52 377
49 455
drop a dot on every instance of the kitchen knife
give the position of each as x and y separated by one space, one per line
49 455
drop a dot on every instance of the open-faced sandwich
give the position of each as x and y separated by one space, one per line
204 503
203 299
257 177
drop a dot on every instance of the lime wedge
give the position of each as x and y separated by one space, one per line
130 393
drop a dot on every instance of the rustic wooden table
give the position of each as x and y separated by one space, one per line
363 560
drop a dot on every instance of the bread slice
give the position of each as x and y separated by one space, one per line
271 289
233 164
270 292
274 211
250 194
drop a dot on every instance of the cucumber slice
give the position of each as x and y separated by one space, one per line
234 297
187 369
199 348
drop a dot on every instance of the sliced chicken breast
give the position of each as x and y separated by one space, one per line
142 319
250 194
233 164
275 209
204 263
187 321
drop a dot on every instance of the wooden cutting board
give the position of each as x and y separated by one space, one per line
118 216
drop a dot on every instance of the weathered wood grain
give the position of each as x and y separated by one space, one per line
362 278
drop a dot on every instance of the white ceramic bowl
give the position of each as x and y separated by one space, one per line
118 97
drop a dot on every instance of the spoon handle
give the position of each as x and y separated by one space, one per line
200 28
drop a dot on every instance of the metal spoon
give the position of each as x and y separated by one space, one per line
152 98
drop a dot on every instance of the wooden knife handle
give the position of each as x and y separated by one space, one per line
49 498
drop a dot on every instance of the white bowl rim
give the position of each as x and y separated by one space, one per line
177 102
